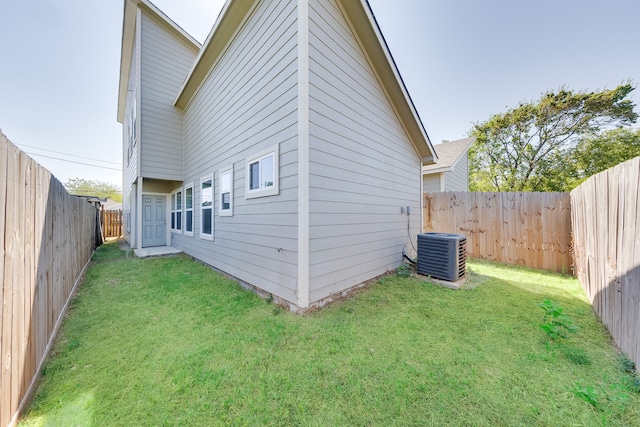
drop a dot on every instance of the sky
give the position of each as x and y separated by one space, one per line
461 61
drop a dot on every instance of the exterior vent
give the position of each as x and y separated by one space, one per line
442 256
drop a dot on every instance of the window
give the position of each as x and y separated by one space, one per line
176 211
206 207
262 174
226 191
188 209
134 121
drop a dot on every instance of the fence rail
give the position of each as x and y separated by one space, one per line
529 229
606 221
111 222
47 238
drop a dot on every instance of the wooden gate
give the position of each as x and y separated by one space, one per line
111 222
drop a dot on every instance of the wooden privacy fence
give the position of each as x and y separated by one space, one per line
111 223
606 232
47 239
529 229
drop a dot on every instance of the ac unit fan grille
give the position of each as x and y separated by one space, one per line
442 255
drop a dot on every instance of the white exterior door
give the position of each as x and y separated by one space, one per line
154 221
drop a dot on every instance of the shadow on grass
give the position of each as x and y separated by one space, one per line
168 341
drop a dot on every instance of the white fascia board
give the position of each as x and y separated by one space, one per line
129 23
361 15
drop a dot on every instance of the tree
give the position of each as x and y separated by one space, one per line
84 187
597 153
528 148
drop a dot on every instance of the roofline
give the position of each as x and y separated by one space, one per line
392 74
452 165
368 32
128 35
229 20
437 170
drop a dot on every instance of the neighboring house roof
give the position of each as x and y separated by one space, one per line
111 205
233 16
449 154
128 37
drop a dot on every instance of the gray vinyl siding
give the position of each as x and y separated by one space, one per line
247 104
165 62
431 183
458 178
129 149
363 167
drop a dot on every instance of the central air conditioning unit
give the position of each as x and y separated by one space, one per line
442 256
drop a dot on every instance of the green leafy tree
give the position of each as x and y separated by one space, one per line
84 187
595 154
529 148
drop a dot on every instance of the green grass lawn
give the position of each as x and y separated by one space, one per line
166 341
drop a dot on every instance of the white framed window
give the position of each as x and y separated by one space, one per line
262 174
188 209
225 181
134 120
206 207
176 211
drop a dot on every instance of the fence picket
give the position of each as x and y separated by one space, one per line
606 221
507 227
44 251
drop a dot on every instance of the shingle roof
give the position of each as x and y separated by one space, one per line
449 153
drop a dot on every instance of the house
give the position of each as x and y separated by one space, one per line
451 173
111 205
284 151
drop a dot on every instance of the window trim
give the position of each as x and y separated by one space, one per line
264 191
186 209
221 211
174 220
201 234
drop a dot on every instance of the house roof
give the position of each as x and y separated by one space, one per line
111 205
231 18
366 27
128 38
449 154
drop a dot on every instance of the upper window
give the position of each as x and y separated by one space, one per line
131 129
226 191
262 174
206 207
176 211
188 209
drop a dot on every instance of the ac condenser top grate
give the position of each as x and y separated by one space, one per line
442 255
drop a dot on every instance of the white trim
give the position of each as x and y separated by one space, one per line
184 216
351 9
138 92
264 191
421 204
442 182
171 210
201 234
226 212
139 213
129 29
303 154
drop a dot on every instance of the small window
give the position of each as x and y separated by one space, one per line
176 211
188 209
206 207
134 121
262 174
226 191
